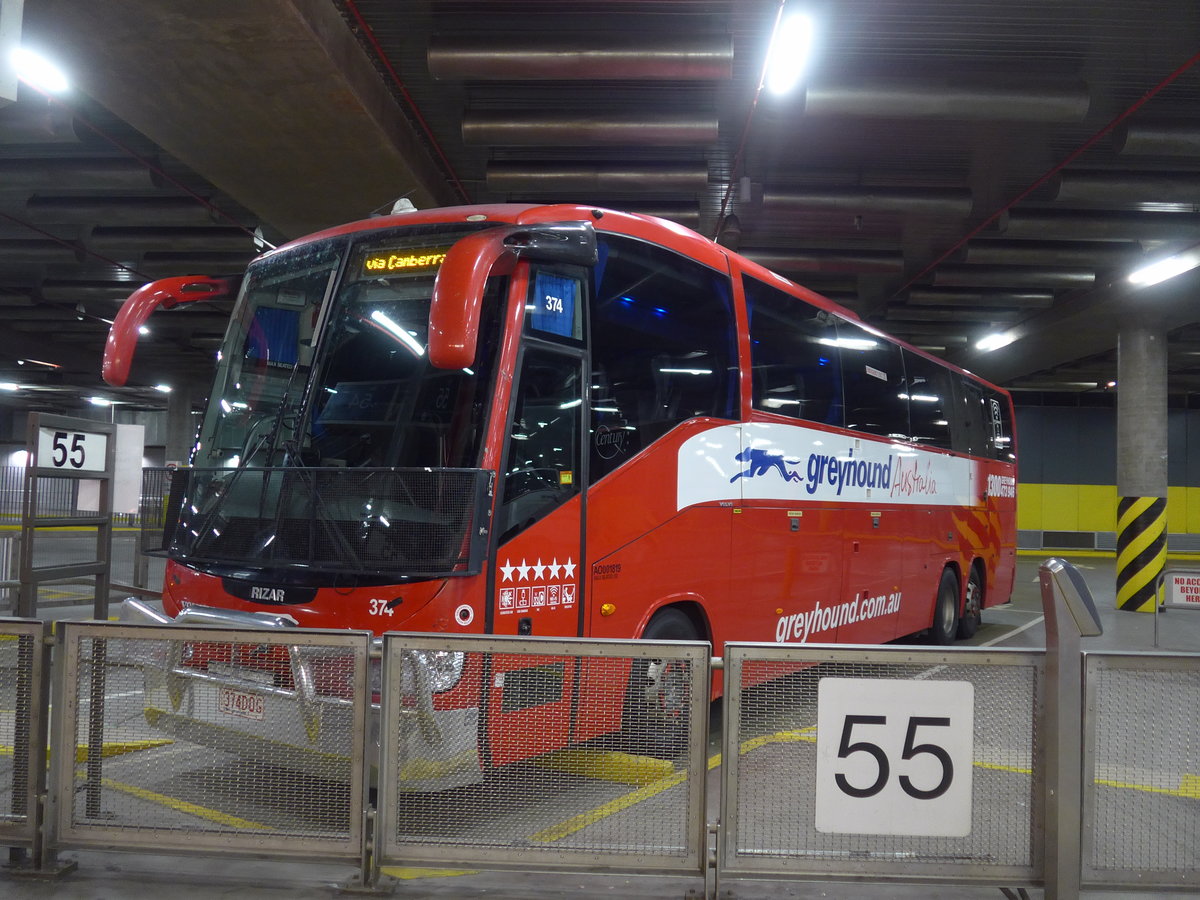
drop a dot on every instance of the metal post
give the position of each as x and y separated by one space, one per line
1070 615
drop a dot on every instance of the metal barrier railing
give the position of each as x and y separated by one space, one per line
24 687
526 698
1141 767
267 730
922 760
864 763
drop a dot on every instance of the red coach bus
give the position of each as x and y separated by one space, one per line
560 420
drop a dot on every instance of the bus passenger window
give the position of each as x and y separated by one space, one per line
873 382
793 356
930 400
663 348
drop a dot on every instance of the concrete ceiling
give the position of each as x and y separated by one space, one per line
946 169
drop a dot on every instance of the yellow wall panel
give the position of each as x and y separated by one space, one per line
1060 507
1097 508
1029 507
1177 510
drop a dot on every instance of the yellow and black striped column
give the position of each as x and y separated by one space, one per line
1141 551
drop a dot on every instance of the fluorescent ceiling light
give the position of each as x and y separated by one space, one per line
163 388
37 71
849 343
9 386
99 401
1165 268
788 56
995 341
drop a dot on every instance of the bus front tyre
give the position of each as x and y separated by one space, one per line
658 698
945 613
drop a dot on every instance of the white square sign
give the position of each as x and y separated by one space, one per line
894 757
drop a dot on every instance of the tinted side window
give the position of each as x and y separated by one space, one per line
873 384
1000 427
663 348
930 400
793 356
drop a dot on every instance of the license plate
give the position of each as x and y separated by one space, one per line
242 703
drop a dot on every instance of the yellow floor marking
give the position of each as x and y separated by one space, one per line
108 750
624 768
183 806
407 874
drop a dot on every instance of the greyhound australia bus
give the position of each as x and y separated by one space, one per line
560 420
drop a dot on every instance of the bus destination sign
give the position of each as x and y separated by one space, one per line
422 260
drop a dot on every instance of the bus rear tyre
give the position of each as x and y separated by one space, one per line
972 614
658 699
945 612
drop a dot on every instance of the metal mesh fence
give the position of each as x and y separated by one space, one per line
206 739
22 748
479 774
771 765
1142 770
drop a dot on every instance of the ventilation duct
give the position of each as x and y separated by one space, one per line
931 314
37 250
854 200
1096 254
949 99
119 240
552 128
1118 188
87 174
29 123
1047 224
559 57
1157 139
157 211
1022 299
860 261
526 178
1013 276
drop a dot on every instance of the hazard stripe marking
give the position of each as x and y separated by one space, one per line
1141 551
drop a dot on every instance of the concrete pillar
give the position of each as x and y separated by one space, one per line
1141 463
181 427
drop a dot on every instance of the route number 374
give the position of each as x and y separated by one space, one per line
894 757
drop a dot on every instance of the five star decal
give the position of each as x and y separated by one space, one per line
539 569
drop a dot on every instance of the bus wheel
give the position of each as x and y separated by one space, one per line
945 613
658 699
972 614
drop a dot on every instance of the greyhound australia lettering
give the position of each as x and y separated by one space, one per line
797 628
846 471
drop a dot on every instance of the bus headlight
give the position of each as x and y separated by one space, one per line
445 668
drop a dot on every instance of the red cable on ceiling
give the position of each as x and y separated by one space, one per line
1070 158
369 35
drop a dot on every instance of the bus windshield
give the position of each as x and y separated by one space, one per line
327 373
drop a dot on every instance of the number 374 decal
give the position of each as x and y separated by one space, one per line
894 757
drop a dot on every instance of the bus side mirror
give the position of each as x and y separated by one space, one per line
458 288
166 292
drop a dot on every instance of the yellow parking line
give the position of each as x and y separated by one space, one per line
407 874
624 768
183 806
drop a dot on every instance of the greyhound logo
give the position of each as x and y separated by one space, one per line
762 461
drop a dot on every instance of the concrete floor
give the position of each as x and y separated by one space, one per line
119 875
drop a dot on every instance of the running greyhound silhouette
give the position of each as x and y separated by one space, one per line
762 461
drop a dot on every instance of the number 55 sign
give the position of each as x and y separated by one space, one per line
894 757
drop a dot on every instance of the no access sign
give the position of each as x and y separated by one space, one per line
894 757
1183 589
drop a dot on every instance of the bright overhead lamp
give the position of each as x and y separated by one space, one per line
99 401
788 56
163 388
9 386
38 72
1165 268
995 341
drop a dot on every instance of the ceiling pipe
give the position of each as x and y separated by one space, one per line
37 251
928 314
1098 254
912 201
1002 99
1157 139
573 57
157 211
554 128
999 298
1013 276
687 215
76 291
67 173
138 240
30 123
854 261
1114 188
1048 224
576 177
